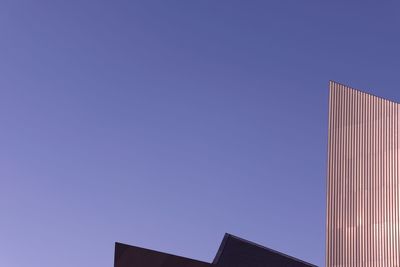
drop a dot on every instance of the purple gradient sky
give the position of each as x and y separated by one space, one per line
165 124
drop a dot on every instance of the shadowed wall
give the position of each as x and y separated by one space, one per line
131 256
233 252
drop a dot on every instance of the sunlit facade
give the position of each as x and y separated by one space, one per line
363 195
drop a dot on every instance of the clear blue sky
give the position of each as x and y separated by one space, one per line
165 124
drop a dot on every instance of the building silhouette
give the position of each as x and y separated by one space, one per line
363 194
233 252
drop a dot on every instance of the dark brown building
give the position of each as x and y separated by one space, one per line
233 252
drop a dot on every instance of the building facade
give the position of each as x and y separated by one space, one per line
363 194
233 252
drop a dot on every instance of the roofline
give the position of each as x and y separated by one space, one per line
221 248
361 91
227 236
160 252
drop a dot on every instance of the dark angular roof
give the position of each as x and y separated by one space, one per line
233 252
131 256
237 252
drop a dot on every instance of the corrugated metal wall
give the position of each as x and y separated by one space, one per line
363 195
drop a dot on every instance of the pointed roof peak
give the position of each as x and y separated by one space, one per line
333 85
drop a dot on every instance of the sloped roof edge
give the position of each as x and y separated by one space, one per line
228 236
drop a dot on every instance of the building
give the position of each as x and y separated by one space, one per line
233 252
363 194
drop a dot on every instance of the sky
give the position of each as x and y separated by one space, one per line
165 124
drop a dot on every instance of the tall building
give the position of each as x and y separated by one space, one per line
233 252
363 193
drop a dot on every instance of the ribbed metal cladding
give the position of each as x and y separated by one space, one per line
363 194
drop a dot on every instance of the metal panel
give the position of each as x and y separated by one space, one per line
363 198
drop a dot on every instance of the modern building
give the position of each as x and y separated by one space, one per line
363 193
233 252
